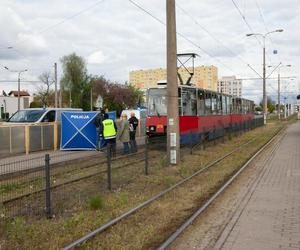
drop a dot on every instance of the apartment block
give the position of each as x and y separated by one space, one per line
230 85
204 77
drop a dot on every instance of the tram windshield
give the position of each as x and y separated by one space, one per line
157 102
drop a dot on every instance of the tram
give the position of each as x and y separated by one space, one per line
201 112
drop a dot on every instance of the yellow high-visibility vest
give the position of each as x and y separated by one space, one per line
109 130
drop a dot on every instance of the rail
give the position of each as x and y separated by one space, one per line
151 200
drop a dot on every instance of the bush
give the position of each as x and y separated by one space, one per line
96 202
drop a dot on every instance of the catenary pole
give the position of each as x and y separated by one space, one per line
265 101
19 89
55 87
278 107
173 146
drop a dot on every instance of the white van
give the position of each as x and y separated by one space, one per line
38 115
139 113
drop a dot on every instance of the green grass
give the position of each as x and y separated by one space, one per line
9 187
96 202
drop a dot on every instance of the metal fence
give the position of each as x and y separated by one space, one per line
59 183
20 139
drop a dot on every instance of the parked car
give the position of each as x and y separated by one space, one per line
38 115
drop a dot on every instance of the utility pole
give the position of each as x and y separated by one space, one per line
19 89
19 83
278 108
55 86
60 95
173 146
91 97
284 107
265 101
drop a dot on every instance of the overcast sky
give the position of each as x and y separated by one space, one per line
114 37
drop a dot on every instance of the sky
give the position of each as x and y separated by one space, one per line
116 36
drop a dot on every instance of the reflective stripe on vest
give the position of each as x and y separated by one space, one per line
109 130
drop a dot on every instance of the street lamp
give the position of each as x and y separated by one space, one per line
279 66
286 104
9 47
19 81
265 107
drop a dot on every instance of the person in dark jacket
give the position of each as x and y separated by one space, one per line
133 124
108 130
101 143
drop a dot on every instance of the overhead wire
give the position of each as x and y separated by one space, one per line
245 20
181 35
248 25
209 33
264 22
64 20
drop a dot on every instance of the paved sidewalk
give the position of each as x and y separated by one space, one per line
271 217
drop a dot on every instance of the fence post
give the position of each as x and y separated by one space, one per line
191 142
204 138
223 132
27 139
48 187
214 135
109 165
146 155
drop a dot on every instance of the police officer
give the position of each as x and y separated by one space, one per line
101 143
133 123
108 130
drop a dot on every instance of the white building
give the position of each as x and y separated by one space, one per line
230 85
9 103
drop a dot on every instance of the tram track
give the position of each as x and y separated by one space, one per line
76 170
172 238
163 193
90 175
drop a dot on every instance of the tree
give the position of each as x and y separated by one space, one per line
258 108
75 80
116 96
270 104
44 91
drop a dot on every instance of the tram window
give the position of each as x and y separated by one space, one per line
229 104
157 102
242 108
179 102
201 102
207 103
234 106
248 107
189 102
219 104
238 106
224 104
214 104
252 107
193 101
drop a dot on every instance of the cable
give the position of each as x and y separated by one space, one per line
244 19
248 25
264 23
64 20
210 34
180 34
217 40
